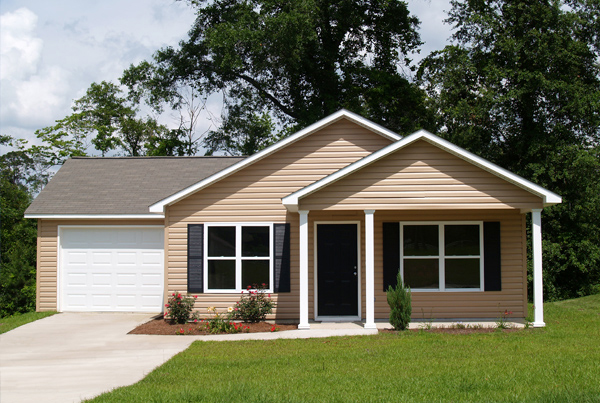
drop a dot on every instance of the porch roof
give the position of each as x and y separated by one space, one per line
291 202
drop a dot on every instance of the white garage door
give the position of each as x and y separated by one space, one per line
111 269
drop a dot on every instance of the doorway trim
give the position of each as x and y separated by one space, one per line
316 274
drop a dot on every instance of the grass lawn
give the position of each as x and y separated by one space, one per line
12 322
560 363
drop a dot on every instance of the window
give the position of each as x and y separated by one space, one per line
238 256
442 256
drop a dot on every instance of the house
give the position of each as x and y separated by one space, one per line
325 218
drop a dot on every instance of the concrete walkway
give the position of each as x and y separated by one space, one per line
73 356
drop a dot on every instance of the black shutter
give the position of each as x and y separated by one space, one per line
391 253
195 272
281 260
492 262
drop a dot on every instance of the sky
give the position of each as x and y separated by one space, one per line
51 51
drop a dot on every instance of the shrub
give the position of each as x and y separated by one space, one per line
221 323
254 305
398 299
179 307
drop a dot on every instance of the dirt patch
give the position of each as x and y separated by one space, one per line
162 327
451 330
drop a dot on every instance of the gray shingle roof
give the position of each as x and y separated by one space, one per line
121 185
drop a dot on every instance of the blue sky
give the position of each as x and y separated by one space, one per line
51 51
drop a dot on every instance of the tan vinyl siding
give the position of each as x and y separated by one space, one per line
254 195
47 263
421 176
477 304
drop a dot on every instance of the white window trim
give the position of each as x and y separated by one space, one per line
441 257
238 257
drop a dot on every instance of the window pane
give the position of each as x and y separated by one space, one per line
462 273
461 240
221 274
422 273
255 241
421 240
221 241
255 272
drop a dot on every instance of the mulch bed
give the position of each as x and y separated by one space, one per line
162 327
450 330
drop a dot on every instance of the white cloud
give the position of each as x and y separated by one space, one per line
20 50
31 92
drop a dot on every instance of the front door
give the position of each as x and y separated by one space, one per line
337 269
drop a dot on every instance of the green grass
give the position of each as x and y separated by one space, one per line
560 363
12 322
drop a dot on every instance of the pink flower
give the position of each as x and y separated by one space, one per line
178 295
167 305
195 296
268 295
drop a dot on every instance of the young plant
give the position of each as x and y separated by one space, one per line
399 300
254 304
502 322
179 307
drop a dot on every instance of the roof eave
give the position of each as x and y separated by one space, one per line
94 216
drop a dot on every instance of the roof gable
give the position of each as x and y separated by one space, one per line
342 114
291 201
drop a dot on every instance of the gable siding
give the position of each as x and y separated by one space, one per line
421 176
254 195
47 264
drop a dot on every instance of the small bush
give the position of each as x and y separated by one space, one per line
399 300
221 323
179 307
254 305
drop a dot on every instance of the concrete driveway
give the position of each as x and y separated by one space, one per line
73 356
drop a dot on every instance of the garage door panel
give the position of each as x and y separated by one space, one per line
112 269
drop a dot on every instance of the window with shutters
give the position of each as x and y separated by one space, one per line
442 256
238 256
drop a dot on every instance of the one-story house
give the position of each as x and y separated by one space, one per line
325 218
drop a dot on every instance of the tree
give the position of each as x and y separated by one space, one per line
293 62
520 86
105 120
18 170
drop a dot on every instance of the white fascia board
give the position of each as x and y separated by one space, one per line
159 207
96 216
291 201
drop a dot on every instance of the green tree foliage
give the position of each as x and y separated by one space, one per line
293 61
18 170
105 120
520 86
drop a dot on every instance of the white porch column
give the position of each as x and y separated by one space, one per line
370 269
538 299
303 270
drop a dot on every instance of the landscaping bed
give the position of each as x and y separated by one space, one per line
164 327
459 330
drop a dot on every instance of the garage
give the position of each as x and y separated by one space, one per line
111 269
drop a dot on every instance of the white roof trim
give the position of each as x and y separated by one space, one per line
549 198
159 207
96 216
